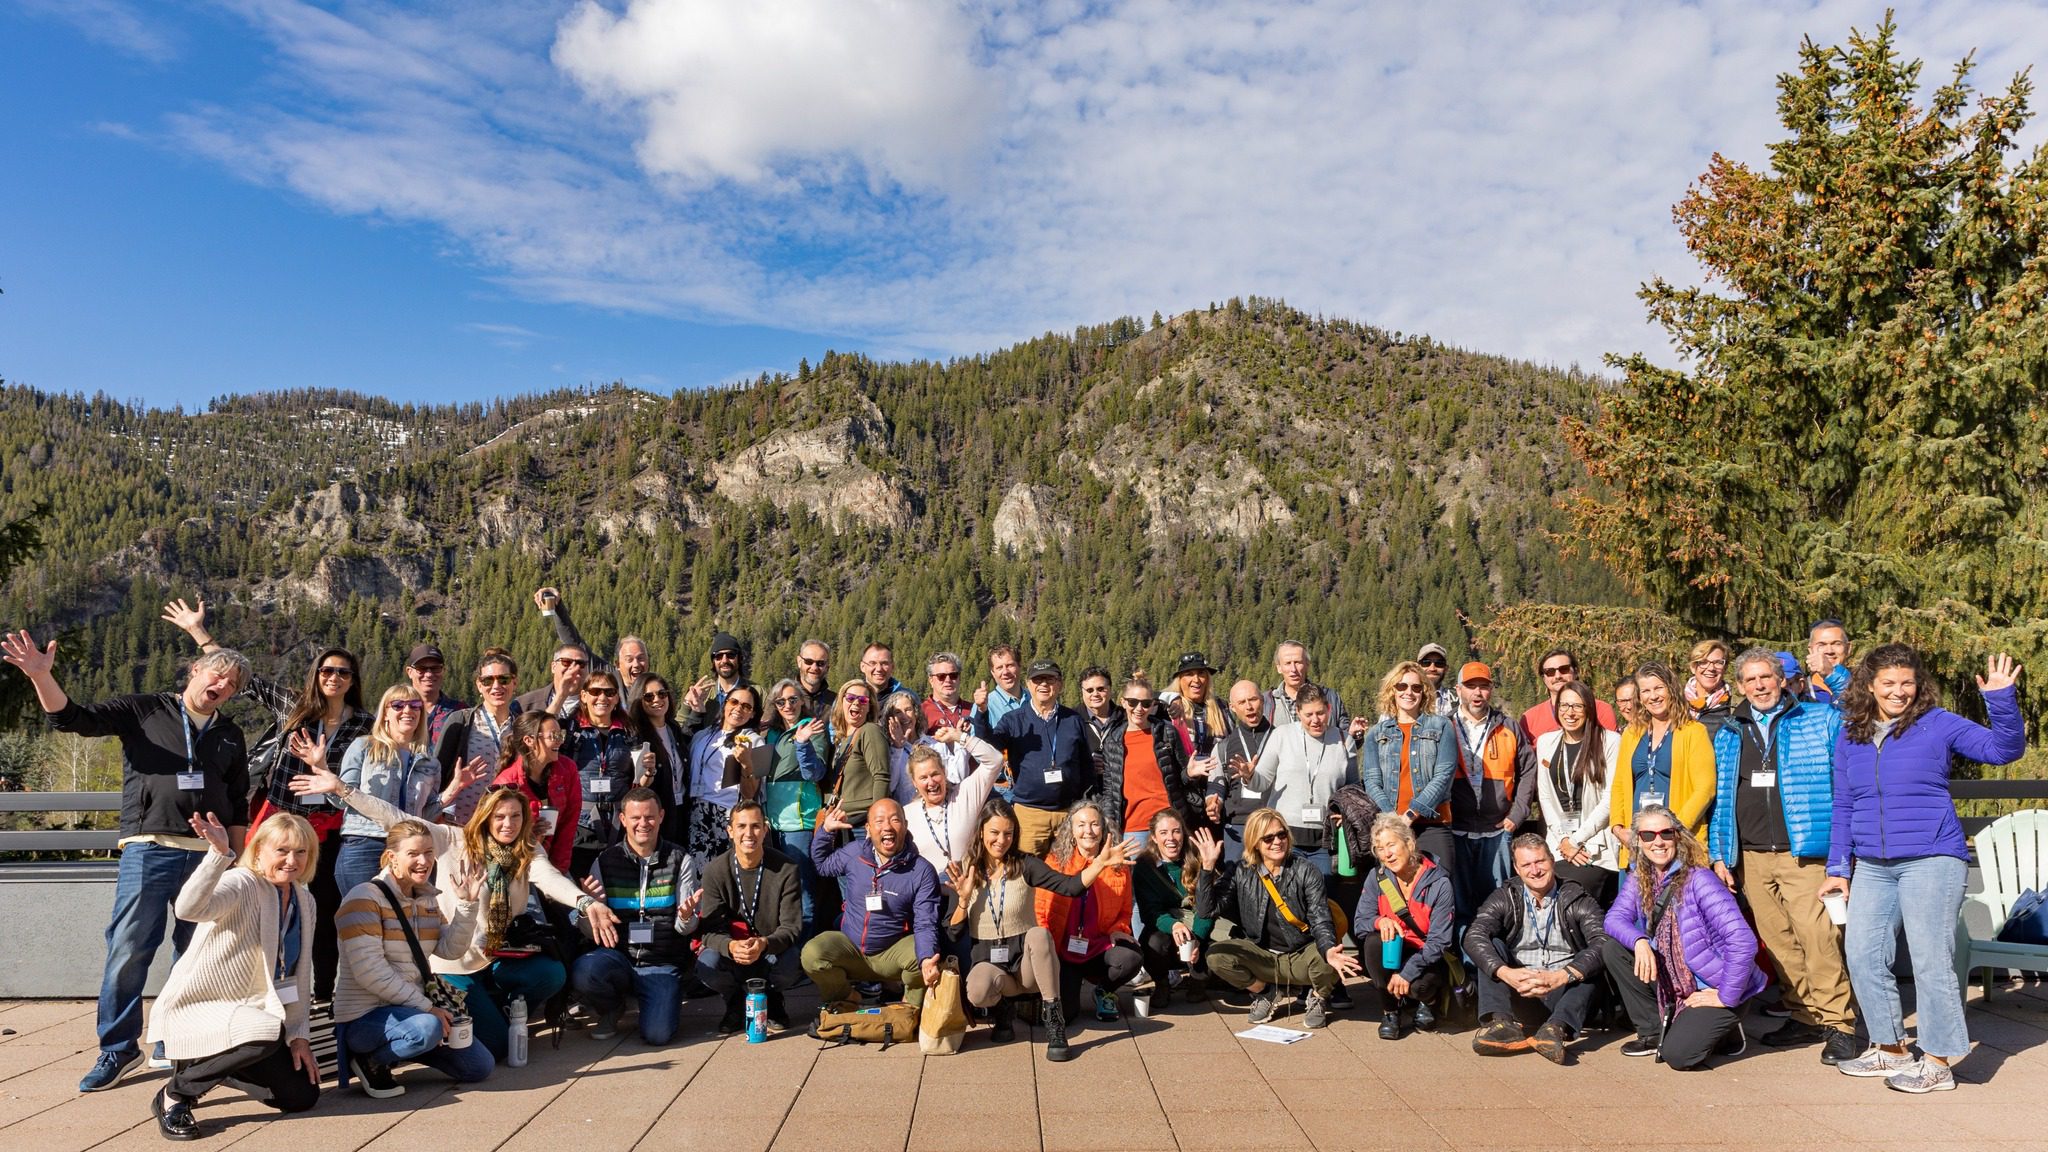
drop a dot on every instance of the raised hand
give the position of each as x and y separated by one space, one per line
1999 672
468 880
189 618
981 696
545 599
690 904
1212 807
308 748
1119 854
315 781
19 649
699 692
212 831
946 735
809 729
1207 847
833 819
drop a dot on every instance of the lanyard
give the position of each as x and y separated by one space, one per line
185 722
1762 731
1052 756
1542 927
644 863
942 831
1561 765
491 726
287 918
1475 749
747 906
998 895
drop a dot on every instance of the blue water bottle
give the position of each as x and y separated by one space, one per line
1390 954
757 1011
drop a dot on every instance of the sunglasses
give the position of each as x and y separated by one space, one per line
1273 838
1408 688
1560 670
429 669
660 694
1134 702
408 706
601 693
788 702
717 656
810 663
343 673
1433 662
1094 688
852 699
945 675
571 661
493 681
1657 833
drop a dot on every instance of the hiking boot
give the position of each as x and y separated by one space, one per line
1390 1025
1002 1019
1498 1036
1262 1007
1839 1046
1549 1041
1315 1012
1924 1076
375 1077
1425 1017
110 1069
1876 1063
1793 1035
607 1026
1054 1019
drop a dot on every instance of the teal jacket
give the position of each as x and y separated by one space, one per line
1805 739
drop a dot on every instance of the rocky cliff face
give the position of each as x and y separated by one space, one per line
342 513
1025 523
819 470
1207 495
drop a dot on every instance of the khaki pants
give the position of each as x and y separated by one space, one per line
1241 963
1035 827
1783 892
834 963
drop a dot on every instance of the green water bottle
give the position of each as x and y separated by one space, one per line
1344 865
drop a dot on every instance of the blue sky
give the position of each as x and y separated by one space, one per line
456 200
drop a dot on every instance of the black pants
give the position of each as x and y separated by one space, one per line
327 900
1692 1035
264 1065
1427 987
1108 970
1162 956
1565 1006
1594 880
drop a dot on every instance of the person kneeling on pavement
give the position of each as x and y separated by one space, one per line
1408 901
1680 952
752 914
1275 897
889 927
651 885
1536 942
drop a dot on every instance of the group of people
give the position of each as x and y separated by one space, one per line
432 869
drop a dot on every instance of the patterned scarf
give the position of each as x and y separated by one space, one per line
1700 700
1674 979
500 866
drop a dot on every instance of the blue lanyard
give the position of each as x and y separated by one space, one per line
287 918
185 722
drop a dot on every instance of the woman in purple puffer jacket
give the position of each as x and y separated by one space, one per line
1679 949
1895 824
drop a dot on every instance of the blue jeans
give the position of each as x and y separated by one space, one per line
1926 893
1233 843
491 991
602 979
148 880
1143 836
396 1033
1483 865
359 861
1320 857
797 846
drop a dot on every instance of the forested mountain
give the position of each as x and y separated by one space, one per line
1216 481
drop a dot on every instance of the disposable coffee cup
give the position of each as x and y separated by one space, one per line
547 821
1142 1002
1837 906
1187 952
461 1032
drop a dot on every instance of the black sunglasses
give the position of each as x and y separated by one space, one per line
1658 833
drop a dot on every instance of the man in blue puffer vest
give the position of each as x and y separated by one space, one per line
1774 776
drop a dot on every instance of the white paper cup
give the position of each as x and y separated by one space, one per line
1142 1002
461 1033
1837 906
547 821
1187 952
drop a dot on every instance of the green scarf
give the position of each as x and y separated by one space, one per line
500 867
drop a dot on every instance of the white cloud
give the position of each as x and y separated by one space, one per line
114 23
935 178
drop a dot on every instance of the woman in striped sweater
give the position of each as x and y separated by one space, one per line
382 1011
235 1003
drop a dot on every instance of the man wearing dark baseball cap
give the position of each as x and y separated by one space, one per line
426 668
728 672
1047 746
1435 663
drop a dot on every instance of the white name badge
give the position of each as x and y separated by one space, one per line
1249 792
1763 779
192 781
1656 798
602 786
999 954
1055 775
1567 827
639 932
288 994
1310 817
874 901
1078 945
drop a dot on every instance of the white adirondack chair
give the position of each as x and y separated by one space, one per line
2012 854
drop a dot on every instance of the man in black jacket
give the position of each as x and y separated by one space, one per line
753 911
1536 943
1231 796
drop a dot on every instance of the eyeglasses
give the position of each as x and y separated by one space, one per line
1433 662
1710 663
555 737
1407 689
1573 706
788 702
600 693
1273 838
493 681
408 706
342 672
739 702
807 662
1559 670
945 675
571 661
1657 833
1139 702
653 695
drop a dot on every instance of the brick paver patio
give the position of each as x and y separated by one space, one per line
1178 1081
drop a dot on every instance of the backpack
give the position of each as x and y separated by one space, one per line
2028 923
886 1025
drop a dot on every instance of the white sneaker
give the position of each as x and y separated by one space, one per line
1876 1063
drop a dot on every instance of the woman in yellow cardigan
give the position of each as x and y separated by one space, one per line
1667 758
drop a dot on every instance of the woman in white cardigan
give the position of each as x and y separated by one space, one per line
1574 774
235 1003
499 842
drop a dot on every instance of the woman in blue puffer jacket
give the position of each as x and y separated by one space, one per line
1895 821
1678 948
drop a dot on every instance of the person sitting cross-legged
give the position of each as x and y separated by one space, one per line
889 927
1536 942
1275 897
651 885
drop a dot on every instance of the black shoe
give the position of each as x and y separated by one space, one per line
375 1077
1793 1034
174 1119
1425 1019
1390 1025
1054 1018
697 990
1003 1020
1640 1046
1733 1044
1339 997
1839 1046
734 1019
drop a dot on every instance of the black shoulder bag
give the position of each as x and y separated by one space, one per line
444 995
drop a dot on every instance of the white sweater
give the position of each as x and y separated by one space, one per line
221 992
955 819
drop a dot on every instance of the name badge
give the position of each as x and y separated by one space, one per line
1650 798
192 781
1078 945
1310 817
1567 827
1055 775
640 932
288 993
874 901
602 786
1763 779
999 954
1249 792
